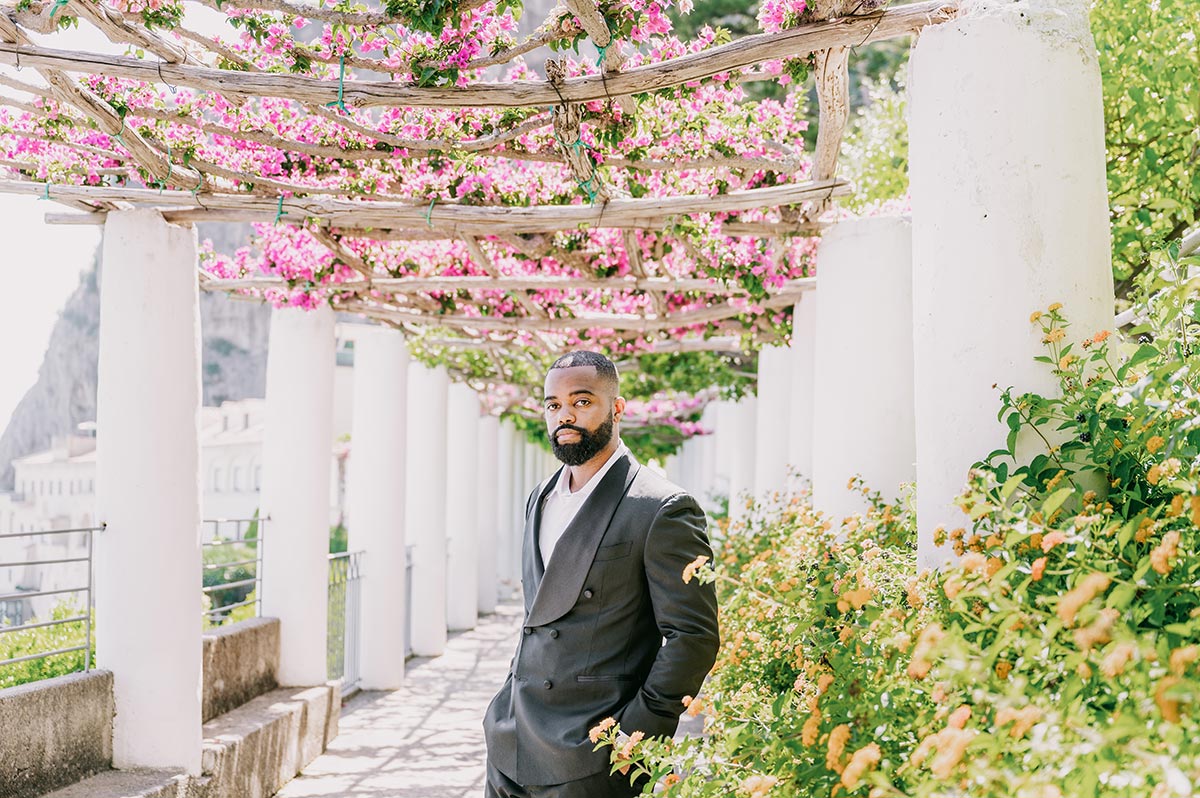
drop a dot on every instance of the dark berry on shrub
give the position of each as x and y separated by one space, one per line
1086 437
1081 418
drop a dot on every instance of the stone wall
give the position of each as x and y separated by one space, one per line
54 732
239 664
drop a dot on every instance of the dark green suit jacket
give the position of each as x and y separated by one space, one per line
610 628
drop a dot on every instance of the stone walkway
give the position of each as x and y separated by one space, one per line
426 740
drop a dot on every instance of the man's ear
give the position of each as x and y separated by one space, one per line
618 408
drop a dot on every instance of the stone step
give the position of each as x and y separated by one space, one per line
250 751
128 784
260 746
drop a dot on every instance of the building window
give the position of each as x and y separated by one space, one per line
258 477
216 483
236 476
91 486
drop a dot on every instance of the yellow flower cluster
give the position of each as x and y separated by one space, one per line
1022 720
860 762
757 786
1164 553
1070 604
922 661
689 571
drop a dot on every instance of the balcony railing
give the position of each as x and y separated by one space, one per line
233 568
344 626
16 614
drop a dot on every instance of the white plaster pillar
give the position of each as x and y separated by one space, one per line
517 541
862 393
1010 214
462 508
772 421
708 455
488 515
802 424
425 510
503 507
741 479
533 466
147 561
723 446
297 457
671 469
375 499
505 497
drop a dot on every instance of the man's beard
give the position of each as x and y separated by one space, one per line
588 445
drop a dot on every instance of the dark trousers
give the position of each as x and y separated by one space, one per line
600 785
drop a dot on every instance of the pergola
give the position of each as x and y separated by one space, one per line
596 238
639 201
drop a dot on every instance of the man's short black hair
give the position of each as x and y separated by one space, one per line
605 368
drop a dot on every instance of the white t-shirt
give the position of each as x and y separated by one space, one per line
561 505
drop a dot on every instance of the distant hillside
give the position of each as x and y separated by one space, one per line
234 359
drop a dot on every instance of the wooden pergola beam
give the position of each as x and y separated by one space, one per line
744 52
609 321
648 213
400 285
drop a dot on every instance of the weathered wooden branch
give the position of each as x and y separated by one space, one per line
409 285
485 263
106 117
739 54
611 321
649 213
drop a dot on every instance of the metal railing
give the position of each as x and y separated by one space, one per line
233 578
22 596
345 613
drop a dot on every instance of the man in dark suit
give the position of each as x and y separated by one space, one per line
611 629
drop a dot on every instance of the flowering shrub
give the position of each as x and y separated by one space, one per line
1060 654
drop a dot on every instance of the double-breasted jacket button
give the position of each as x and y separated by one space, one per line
528 630
588 593
547 684
554 633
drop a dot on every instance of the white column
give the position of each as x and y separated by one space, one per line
147 561
723 446
375 499
863 386
533 466
505 496
425 510
741 479
772 421
801 426
462 508
297 455
671 468
1010 214
520 494
708 454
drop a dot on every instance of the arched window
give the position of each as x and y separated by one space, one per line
236 478
258 477
218 475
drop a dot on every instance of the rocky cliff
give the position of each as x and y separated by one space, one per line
234 359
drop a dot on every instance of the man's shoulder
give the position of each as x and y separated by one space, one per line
651 489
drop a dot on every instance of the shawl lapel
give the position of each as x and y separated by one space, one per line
532 566
559 585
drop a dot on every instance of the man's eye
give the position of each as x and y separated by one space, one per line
551 407
583 402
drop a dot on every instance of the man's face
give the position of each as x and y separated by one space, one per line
581 411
